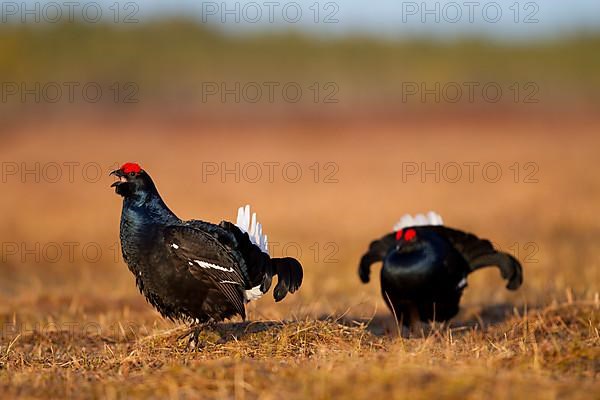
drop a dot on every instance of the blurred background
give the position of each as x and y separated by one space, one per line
332 119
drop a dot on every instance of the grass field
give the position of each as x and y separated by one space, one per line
74 324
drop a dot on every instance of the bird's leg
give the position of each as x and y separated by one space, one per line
194 334
194 341
416 327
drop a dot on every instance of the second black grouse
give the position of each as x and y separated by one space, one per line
426 264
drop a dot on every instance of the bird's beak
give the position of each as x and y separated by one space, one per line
119 174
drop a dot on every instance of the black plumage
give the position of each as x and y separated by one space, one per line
193 271
425 270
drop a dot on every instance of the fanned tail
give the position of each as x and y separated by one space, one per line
407 220
252 227
253 244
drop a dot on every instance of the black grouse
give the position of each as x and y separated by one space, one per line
425 267
194 271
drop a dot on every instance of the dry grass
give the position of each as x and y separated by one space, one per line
76 328
553 352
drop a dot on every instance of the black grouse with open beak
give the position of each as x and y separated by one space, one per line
195 271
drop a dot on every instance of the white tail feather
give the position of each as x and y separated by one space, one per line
253 294
252 227
431 218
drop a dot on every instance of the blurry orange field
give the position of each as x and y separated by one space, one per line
74 324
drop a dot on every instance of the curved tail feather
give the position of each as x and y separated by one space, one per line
480 253
289 276
510 268
377 251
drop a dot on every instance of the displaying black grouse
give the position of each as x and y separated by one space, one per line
195 271
425 267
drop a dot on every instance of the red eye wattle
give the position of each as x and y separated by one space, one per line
399 235
410 235
128 168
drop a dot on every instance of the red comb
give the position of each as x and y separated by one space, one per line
131 167
410 234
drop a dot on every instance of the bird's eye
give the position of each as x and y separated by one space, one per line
132 174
